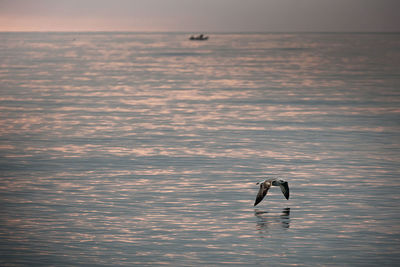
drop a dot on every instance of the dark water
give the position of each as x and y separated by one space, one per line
144 149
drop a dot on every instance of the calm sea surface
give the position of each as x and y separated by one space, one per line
144 149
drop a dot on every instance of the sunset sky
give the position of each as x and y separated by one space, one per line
200 15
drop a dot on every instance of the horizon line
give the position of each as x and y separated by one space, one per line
194 32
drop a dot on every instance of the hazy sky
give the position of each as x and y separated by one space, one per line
200 15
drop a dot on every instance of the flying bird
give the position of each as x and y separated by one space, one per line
266 185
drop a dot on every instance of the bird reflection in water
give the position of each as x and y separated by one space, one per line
267 221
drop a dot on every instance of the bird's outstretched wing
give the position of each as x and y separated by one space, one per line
262 192
285 189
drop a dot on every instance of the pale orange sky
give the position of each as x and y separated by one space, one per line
200 15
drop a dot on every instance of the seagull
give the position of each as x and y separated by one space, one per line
265 186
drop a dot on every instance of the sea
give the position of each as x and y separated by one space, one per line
144 149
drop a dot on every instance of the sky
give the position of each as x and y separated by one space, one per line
201 15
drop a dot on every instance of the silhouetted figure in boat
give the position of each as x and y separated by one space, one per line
201 37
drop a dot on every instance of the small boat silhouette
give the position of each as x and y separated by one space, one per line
201 37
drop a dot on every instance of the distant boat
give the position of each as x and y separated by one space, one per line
201 37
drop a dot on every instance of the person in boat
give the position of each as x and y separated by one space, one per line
200 37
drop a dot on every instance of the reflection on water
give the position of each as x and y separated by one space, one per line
137 149
267 221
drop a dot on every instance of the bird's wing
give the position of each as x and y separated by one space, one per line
285 189
262 192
